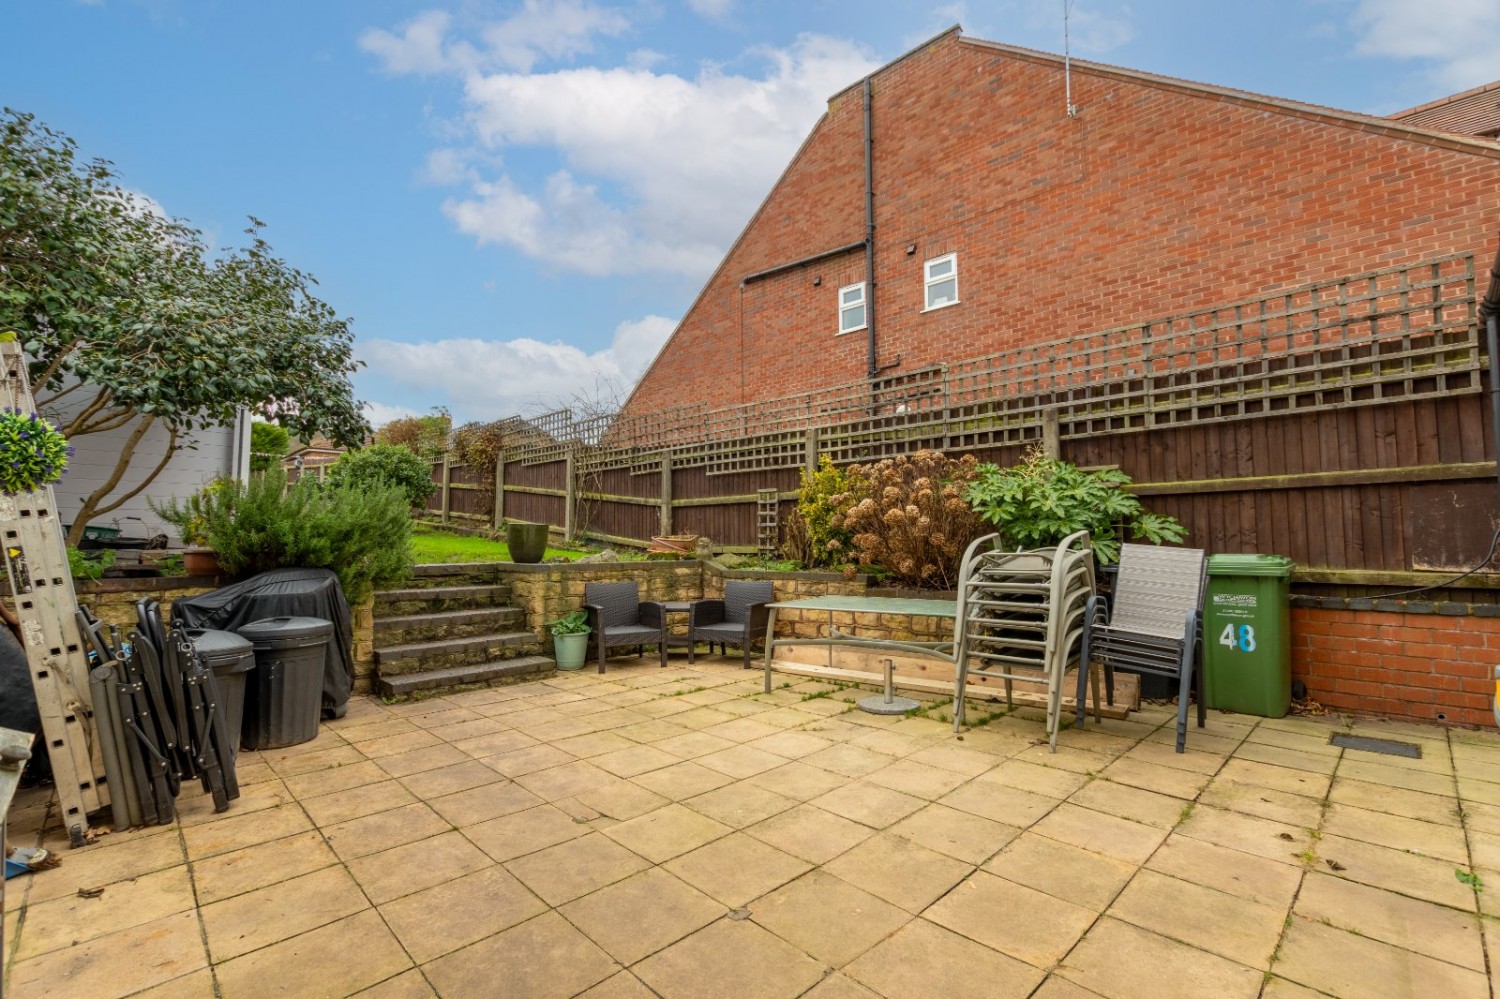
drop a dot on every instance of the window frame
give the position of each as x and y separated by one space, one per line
928 281
863 304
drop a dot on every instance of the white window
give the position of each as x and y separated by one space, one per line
940 280
852 307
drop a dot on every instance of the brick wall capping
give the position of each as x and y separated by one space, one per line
145 584
1297 109
1395 580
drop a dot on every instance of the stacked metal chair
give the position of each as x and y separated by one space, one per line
1020 617
1153 624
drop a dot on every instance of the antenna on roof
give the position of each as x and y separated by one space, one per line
1068 62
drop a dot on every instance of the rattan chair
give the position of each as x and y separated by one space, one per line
739 619
618 617
1153 624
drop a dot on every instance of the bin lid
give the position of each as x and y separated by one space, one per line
1250 565
286 632
223 649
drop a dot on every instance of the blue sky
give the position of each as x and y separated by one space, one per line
516 200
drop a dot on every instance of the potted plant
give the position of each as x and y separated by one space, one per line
570 640
191 519
527 542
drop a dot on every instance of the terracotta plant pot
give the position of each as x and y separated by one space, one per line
201 562
527 542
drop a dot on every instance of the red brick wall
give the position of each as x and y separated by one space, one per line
1427 667
1154 200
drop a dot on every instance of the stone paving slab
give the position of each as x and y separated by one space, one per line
677 832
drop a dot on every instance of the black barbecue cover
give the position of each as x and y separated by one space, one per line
284 593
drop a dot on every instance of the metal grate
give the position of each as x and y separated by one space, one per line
1390 747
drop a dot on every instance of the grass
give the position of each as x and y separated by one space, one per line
431 545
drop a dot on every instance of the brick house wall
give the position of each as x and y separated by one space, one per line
1161 196
1432 667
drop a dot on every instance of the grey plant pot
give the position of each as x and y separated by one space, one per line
527 542
570 650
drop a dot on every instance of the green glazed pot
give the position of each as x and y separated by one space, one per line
527 542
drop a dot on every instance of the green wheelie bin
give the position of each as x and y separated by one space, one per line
1247 635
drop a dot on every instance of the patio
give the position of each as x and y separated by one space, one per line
678 832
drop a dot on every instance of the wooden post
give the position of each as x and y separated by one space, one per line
500 489
1051 433
570 493
447 487
812 449
666 494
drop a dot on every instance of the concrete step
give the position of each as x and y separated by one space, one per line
454 573
410 629
434 599
420 657
475 674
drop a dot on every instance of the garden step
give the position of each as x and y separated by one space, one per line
454 573
418 657
500 671
395 603
412 628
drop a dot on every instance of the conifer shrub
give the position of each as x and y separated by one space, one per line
362 532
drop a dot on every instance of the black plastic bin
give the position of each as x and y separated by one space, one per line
231 657
284 698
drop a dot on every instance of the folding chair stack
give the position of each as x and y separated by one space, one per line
158 718
1020 615
1152 625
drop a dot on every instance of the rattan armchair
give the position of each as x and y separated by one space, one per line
618 618
739 619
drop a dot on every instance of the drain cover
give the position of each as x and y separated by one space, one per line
1389 747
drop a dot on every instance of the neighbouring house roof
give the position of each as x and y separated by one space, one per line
1471 112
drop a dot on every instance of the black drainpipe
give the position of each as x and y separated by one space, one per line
1489 311
870 235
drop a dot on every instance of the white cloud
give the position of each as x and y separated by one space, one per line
1457 39
539 29
418 49
379 414
492 379
714 10
685 159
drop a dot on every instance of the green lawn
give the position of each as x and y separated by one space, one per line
431 545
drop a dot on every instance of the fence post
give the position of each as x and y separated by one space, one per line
447 487
570 493
499 489
666 494
1051 433
812 449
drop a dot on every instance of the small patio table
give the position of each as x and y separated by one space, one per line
835 603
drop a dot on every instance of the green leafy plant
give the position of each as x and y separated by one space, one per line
32 452
268 443
572 623
361 532
385 465
1043 500
190 516
89 565
912 519
817 535
1469 878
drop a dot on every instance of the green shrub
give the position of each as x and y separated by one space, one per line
1043 500
360 531
385 465
190 516
268 442
911 518
89 565
817 536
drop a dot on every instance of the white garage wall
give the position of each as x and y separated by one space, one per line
219 451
